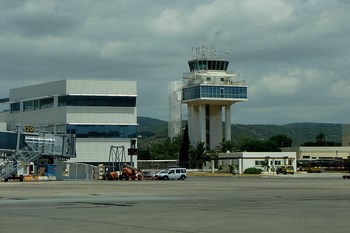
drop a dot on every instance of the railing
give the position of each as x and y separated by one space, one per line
17 161
228 78
54 145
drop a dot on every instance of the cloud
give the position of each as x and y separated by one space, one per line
293 54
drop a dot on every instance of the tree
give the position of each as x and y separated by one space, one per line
165 149
144 154
184 149
255 145
281 140
225 146
198 155
320 139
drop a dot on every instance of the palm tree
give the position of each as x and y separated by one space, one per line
198 155
225 146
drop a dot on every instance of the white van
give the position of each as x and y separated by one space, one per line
172 174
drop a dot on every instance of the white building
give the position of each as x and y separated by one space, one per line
267 161
175 109
346 135
100 113
209 91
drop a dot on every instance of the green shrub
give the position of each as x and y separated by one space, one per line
252 170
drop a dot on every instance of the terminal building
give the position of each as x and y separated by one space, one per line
100 113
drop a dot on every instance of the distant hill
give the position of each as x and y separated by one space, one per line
148 121
151 127
298 132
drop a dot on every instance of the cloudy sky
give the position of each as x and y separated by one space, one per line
293 54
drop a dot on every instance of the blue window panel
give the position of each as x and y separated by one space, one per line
103 131
222 92
191 93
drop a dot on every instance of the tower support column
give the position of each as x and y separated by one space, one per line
190 121
202 123
227 122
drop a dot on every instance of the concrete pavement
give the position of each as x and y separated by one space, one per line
291 203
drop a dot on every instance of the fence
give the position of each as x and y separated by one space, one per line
76 171
82 171
156 164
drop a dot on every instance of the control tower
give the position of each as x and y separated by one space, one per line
209 91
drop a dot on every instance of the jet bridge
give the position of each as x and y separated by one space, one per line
19 149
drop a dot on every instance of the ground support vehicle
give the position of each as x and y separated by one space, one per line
129 172
172 174
14 177
111 176
346 177
313 169
285 169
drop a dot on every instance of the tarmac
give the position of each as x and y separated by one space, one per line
268 203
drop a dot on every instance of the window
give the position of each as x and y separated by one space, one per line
36 104
259 162
46 103
110 101
191 93
28 106
211 65
222 65
192 66
217 65
206 91
103 131
208 78
226 65
15 107
202 65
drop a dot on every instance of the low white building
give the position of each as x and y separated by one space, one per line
267 161
320 152
101 114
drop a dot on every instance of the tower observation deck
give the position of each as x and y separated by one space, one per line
209 91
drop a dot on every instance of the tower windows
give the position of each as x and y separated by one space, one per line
208 65
209 91
222 92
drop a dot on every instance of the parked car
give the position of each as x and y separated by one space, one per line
155 176
172 174
285 170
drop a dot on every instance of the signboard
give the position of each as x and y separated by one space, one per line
132 151
29 128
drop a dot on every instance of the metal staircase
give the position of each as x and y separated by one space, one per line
52 145
34 149
17 161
